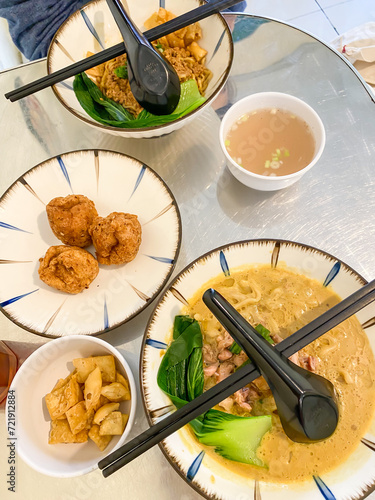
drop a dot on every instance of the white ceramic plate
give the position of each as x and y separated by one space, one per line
352 480
34 380
93 28
115 183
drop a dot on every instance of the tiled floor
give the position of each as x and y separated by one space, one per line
325 19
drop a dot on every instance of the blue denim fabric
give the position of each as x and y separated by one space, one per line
32 23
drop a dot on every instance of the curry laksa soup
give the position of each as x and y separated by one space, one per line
283 301
271 142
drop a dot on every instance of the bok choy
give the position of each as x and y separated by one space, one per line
111 113
181 377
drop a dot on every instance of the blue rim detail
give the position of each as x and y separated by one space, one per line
164 260
156 344
64 171
91 28
14 299
194 467
224 264
217 46
162 4
66 85
13 228
106 321
323 488
138 181
332 274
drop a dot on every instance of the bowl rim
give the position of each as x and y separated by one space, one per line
278 178
133 401
164 282
94 123
180 275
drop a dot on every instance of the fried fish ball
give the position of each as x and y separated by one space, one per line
69 269
116 238
70 219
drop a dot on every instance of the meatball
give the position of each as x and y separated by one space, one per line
70 219
116 238
69 269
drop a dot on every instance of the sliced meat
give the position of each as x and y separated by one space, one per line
241 398
223 341
210 370
239 359
224 355
227 404
209 355
224 370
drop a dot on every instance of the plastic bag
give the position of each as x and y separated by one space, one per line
358 46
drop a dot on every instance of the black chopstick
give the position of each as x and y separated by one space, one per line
179 22
234 382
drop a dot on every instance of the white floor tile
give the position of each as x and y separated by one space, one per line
329 3
348 15
317 24
281 9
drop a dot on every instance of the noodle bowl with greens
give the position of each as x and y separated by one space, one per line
104 91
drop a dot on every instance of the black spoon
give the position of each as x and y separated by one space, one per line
306 402
153 81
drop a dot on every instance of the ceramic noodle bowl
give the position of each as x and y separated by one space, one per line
199 465
94 28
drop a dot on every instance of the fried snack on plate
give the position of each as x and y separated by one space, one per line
116 238
61 433
60 400
104 411
112 425
70 219
93 387
85 366
69 269
78 417
97 416
116 392
100 441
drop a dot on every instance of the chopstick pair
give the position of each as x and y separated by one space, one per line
153 34
161 430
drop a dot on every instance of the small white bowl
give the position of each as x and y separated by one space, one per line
264 100
34 380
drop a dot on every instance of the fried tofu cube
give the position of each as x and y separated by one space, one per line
116 392
60 400
105 410
92 389
121 379
77 417
107 367
60 433
86 365
100 441
112 425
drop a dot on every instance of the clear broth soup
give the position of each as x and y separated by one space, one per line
270 142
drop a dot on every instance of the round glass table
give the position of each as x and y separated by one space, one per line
332 207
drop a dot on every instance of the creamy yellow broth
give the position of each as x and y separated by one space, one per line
283 301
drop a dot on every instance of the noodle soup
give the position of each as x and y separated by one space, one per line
283 301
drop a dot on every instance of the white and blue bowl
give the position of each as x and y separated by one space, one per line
115 183
92 28
354 479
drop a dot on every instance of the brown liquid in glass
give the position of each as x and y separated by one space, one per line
12 355
270 142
